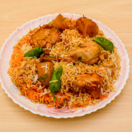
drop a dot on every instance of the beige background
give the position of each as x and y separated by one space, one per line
115 117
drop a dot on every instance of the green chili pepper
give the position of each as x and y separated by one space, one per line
34 52
105 43
55 82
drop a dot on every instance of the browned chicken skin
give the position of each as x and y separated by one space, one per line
103 56
45 37
87 27
92 83
45 68
59 22
46 52
47 58
48 35
89 54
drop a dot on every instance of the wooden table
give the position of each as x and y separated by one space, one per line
115 117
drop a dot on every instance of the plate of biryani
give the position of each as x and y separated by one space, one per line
63 65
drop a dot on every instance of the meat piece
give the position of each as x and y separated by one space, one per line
89 54
92 83
48 45
47 52
45 37
45 58
103 56
45 55
45 68
87 27
59 22
73 90
90 43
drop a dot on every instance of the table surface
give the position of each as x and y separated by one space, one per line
115 117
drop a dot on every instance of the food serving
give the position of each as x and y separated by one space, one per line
65 63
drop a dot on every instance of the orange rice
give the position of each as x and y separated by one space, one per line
24 75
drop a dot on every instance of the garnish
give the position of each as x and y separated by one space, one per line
79 59
43 77
55 82
105 43
36 52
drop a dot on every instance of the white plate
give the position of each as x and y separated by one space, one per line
41 109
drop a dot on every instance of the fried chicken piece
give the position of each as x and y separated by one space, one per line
92 83
47 52
89 54
45 37
47 58
87 27
59 22
90 43
45 69
103 56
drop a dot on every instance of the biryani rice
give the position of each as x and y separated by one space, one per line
23 72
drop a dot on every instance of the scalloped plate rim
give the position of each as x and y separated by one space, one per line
69 116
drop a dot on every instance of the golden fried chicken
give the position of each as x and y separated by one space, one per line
103 56
59 22
45 37
90 43
89 54
87 27
46 58
92 83
45 70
